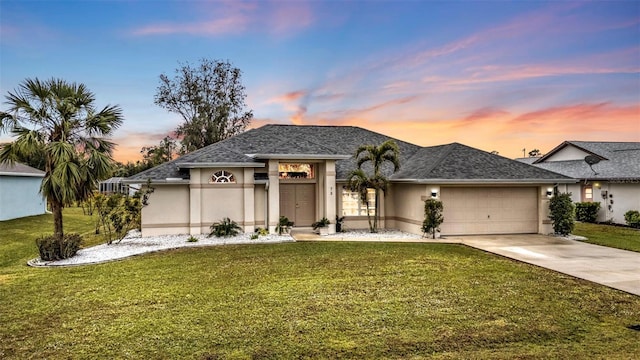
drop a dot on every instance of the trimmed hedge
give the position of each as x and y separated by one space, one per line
632 217
587 211
53 248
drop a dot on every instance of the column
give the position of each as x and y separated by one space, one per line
249 201
273 196
195 202
330 194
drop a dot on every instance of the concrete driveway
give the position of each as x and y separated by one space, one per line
619 269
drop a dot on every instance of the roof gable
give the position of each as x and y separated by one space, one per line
618 160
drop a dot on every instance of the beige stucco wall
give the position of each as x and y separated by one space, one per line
221 200
405 202
157 220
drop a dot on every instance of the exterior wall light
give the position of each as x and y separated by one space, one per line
549 192
434 193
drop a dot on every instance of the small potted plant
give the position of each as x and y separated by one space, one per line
284 225
322 226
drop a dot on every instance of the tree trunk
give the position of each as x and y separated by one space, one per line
369 218
56 209
377 212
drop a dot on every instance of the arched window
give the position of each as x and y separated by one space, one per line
223 176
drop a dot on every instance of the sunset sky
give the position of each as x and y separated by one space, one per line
496 75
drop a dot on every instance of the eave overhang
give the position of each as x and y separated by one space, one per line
196 165
300 156
480 181
7 173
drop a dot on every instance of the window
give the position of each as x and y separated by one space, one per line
223 176
587 194
352 205
296 171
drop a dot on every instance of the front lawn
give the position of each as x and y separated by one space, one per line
609 235
307 300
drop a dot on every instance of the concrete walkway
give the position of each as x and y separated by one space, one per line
619 269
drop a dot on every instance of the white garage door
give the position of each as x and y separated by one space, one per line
471 211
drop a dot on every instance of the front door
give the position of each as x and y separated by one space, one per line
298 203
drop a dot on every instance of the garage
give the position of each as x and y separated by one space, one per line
489 210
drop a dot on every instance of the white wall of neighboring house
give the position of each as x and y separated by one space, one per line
20 196
620 198
568 153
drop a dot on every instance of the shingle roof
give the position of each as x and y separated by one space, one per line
18 169
279 139
457 162
619 161
453 161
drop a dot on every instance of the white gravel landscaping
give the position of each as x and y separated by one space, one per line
135 244
382 234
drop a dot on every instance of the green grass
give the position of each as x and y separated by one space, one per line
305 300
608 235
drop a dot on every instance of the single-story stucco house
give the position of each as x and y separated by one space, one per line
300 172
20 191
613 178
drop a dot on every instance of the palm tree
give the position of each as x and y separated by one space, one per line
359 181
58 120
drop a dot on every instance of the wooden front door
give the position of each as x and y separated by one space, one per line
298 203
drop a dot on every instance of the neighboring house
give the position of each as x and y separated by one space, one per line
300 172
613 179
115 185
20 191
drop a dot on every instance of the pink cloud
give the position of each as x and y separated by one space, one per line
229 17
211 27
130 144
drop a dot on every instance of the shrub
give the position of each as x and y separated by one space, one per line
339 223
226 227
192 239
117 214
587 211
562 213
254 236
324 222
283 225
432 216
53 248
262 231
632 217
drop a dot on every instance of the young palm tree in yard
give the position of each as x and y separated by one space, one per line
58 120
359 181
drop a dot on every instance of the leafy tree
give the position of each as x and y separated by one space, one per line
210 98
58 120
562 213
359 181
534 153
156 155
432 216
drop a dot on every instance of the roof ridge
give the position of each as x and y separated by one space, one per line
447 150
